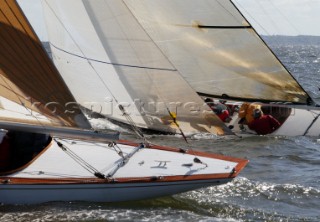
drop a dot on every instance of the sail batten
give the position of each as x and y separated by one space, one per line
224 27
227 59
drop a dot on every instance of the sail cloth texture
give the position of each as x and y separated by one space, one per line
31 89
216 50
106 58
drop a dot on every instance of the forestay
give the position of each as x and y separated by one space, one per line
107 58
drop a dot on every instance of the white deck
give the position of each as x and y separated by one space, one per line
55 163
149 163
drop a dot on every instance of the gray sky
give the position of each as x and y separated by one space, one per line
33 10
268 17
282 17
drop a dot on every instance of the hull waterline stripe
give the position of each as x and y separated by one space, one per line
114 186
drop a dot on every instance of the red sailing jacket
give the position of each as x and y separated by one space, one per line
264 125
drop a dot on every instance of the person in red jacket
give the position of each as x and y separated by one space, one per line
219 109
263 124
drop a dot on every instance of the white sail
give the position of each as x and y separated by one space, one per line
217 51
106 58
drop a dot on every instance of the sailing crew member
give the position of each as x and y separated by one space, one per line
263 124
246 112
219 109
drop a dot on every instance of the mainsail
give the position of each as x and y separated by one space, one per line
31 90
107 59
216 50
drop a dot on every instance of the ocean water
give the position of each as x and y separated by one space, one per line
301 56
281 182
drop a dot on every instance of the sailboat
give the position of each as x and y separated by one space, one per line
219 53
142 50
49 152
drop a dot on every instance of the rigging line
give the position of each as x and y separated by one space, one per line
286 18
313 112
110 63
131 122
27 30
8 86
51 174
34 43
251 16
22 103
125 160
127 116
155 85
25 114
3 78
116 148
177 124
77 158
230 13
80 161
77 45
271 20
20 98
10 89
272 52
15 33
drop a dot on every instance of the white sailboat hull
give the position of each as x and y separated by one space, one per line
301 122
33 194
121 172
297 121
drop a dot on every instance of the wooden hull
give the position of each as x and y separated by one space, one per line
139 172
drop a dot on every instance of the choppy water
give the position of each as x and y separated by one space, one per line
281 182
301 56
